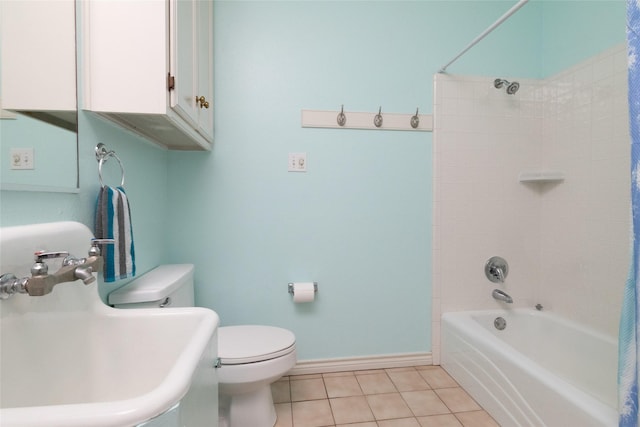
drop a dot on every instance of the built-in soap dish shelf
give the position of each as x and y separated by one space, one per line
541 176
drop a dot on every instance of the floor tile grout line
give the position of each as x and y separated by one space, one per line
363 395
397 391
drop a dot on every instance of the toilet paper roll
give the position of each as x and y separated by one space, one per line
303 292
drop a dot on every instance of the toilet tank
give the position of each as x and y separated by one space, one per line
168 285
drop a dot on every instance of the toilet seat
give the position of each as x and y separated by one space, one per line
244 344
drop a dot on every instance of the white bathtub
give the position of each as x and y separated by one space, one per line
541 370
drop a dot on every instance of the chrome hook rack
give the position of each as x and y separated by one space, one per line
367 120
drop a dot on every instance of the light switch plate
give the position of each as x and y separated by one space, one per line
21 158
297 162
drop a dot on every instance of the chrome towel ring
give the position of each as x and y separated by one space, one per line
102 155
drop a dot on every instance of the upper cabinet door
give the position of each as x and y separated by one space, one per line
205 66
143 68
192 63
38 59
184 56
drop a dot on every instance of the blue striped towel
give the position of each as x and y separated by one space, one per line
113 221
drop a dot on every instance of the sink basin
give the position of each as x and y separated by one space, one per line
68 360
118 368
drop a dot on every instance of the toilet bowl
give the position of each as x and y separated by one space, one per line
252 357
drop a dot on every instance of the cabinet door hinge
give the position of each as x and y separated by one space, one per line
171 82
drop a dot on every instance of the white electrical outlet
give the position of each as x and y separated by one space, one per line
297 162
21 158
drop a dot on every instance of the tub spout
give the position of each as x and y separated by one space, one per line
85 274
501 296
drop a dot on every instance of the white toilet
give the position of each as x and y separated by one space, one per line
251 357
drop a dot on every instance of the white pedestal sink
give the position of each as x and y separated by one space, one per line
68 360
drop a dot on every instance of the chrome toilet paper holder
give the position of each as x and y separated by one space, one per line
290 287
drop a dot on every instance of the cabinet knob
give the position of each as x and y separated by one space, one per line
203 102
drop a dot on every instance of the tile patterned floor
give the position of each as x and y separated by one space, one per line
422 396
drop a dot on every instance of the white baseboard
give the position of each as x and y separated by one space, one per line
304 367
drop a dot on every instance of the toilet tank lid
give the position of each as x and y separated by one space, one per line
154 285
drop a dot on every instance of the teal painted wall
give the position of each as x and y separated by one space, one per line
359 221
145 183
47 141
574 30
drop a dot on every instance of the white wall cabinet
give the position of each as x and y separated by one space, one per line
148 66
38 59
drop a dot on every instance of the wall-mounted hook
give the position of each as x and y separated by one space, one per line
341 119
415 120
377 120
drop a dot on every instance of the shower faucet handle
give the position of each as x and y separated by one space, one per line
496 269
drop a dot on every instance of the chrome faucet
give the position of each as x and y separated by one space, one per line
496 269
42 283
82 271
501 296
497 272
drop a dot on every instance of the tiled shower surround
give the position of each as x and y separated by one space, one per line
566 242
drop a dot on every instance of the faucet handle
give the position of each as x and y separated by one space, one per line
40 268
94 250
39 256
496 269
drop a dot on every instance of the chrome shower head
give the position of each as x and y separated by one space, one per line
512 87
